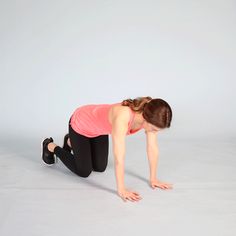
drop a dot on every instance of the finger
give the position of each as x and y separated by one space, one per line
168 186
135 193
163 185
133 196
130 198
136 198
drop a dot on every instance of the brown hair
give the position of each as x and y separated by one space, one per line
155 111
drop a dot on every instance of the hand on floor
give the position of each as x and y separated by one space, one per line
156 183
127 194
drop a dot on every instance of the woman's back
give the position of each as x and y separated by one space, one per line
96 119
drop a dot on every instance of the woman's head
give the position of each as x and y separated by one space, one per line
156 112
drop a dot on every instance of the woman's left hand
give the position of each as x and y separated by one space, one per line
156 183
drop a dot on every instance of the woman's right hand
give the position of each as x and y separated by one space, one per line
126 194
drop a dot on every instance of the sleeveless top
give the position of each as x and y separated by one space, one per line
92 120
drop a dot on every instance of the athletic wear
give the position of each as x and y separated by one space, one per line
89 154
65 145
88 132
92 120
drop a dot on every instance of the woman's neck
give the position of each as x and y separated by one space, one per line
138 120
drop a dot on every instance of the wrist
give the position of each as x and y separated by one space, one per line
120 189
153 179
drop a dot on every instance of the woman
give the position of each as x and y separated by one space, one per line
85 147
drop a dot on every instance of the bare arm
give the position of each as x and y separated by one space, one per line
119 129
152 153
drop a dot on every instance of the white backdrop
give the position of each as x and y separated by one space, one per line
58 55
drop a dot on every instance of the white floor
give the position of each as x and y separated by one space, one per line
39 200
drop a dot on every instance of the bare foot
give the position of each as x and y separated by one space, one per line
51 146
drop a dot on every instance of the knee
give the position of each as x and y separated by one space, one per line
99 169
84 174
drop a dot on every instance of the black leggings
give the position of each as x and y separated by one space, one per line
88 153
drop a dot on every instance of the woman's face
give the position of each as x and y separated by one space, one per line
150 127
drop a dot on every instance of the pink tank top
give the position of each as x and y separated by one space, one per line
92 120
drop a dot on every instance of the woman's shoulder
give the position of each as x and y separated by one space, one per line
118 110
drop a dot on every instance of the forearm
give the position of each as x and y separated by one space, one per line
153 161
119 172
119 160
